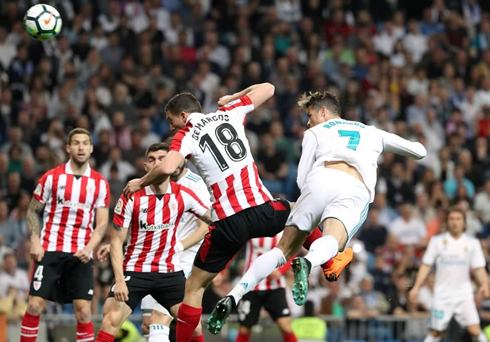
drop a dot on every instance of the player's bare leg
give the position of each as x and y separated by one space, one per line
115 313
291 240
284 324
30 321
189 312
83 314
476 333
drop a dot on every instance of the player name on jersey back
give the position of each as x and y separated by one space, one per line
199 125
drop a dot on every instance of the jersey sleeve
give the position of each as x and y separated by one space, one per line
43 189
123 212
307 159
182 142
192 203
393 143
477 257
431 253
201 191
239 109
104 195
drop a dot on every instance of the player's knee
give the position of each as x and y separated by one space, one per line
160 318
36 306
436 334
111 321
284 325
245 330
83 314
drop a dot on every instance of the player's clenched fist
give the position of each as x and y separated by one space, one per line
37 251
121 291
132 186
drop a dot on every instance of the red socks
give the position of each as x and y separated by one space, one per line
104 337
29 328
289 337
314 235
242 337
85 332
199 338
187 321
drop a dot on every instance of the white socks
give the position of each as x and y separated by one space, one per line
430 338
322 250
480 338
159 333
260 269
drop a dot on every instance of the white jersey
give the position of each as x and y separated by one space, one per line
221 153
454 259
188 223
355 144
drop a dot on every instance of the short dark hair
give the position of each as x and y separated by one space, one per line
159 146
183 102
318 99
78 131
455 209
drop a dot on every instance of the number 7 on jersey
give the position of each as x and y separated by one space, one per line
354 138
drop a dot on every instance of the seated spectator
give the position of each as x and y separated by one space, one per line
451 185
115 158
374 300
13 277
373 234
8 227
423 209
482 204
408 229
272 165
12 194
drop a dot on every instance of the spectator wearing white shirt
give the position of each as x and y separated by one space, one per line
175 27
110 20
470 107
408 229
7 50
415 42
483 95
418 85
149 137
216 53
13 277
115 158
482 204
384 42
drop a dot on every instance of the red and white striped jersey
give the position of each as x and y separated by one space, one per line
255 248
221 152
70 203
153 221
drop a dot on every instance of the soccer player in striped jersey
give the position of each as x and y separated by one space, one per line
73 197
243 207
269 294
151 264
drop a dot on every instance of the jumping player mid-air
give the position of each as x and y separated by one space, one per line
243 207
337 177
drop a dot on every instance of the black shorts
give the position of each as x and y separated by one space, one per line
274 301
167 288
226 237
62 277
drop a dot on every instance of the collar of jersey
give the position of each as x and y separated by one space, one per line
69 170
148 190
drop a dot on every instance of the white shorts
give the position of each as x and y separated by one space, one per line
463 310
148 303
331 194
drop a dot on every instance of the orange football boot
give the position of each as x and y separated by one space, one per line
334 267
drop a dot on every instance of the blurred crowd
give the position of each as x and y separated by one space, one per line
418 69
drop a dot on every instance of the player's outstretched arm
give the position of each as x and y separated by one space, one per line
101 221
159 173
118 237
257 93
33 224
393 143
195 237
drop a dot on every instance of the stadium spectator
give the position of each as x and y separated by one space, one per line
13 277
408 229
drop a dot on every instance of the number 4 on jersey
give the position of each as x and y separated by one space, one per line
354 138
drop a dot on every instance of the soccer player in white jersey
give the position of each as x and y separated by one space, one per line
269 294
336 177
151 262
243 207
455 256
73 197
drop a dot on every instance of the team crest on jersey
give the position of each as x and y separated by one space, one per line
39 190
36 285
119 206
